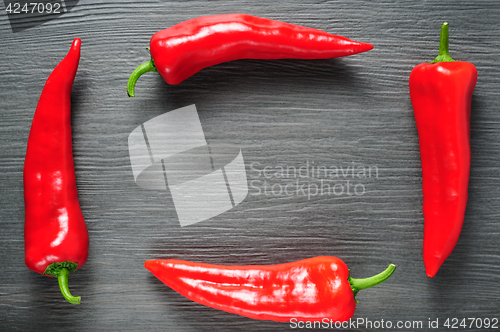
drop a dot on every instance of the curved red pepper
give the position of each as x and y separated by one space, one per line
55 234
184 49
309 289
441 93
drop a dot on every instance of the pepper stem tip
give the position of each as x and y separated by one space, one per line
62 278
142 69
444 53
359 284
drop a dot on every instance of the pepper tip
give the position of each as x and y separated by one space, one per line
431 269
361 47
77 42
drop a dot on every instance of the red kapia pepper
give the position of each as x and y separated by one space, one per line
55 234
311 289
441 93
185 48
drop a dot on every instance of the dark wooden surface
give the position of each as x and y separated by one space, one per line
347 112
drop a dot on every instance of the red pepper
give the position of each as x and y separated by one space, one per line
184 49
309 289
55 234
441 93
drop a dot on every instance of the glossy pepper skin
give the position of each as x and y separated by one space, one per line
441 93
184 49
309 289
55 234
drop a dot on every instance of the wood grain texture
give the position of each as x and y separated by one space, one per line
349 112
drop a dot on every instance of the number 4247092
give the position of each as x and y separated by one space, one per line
33 8
487 323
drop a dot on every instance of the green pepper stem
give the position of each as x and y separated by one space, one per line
142 69
62 278
444 53
359 284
